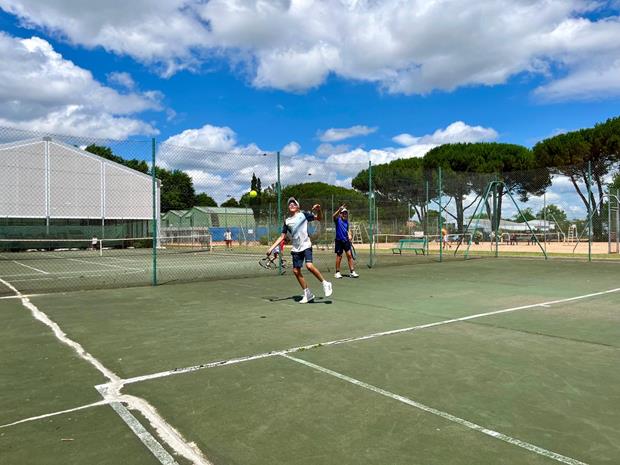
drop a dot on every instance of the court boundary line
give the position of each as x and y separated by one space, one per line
274 353
445 415
103 264
31 267
170 435
59 412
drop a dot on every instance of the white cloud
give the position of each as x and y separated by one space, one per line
338 134
584 84
215 160
455 132
292 148
122 79
41 90
210 138
404 46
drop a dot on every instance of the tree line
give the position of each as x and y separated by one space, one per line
467 169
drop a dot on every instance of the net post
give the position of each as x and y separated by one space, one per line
590 211
439 192
154 189
279 194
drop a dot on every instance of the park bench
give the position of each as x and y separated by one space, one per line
417 245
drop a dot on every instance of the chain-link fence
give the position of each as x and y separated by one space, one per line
81 213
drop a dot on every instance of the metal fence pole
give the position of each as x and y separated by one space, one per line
590 211
279 195
370 216
154 189
439 191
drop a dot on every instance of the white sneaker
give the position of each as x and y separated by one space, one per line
338 275
327 288
308 297
354 274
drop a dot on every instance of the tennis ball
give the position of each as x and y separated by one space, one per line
253 194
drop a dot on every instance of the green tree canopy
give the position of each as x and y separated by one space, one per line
527 214
106 152
177 189
230 203
204 200
574 153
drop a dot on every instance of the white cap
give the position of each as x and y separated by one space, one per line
293 200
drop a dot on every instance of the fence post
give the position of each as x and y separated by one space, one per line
154 189
439 187
590 211
279 194
371 209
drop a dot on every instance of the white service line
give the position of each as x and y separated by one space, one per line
274 353
447 416
31 267
53 414
103 264
113 396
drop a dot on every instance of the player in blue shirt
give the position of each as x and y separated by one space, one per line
343 241
296 225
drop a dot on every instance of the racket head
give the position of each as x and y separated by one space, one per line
353 252
265 262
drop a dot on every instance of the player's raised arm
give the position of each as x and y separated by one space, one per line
316 211
337 212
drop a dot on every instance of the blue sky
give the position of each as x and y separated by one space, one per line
346 79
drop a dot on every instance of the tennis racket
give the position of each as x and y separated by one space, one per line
353 252
270 264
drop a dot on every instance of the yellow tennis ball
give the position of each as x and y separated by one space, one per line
253 193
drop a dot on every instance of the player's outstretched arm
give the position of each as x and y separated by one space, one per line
276 243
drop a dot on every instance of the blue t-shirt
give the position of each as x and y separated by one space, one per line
342 229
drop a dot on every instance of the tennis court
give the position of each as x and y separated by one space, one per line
487 361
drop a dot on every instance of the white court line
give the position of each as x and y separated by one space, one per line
447 416
274 353
172 437
91 274
53 414
103 264
21 296
31 267
147 438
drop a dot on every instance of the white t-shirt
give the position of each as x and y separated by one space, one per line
297 227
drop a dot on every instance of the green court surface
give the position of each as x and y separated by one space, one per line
490 361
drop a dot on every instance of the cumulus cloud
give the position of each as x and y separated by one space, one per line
122 79
222 167
292 148
404 46
338 134
41 90
455 132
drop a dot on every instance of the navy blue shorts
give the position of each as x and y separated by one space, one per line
299 257
342 246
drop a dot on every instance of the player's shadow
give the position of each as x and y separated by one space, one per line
297 298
